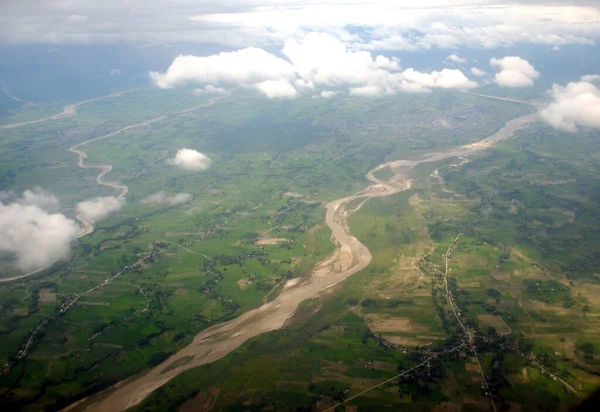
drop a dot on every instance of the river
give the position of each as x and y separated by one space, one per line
349 257
86 226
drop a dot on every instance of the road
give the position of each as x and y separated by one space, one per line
571 389
504 99
401 374
63 310
468 332
349 257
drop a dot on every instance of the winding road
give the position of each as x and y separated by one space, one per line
349 257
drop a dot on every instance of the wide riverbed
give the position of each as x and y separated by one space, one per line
349 257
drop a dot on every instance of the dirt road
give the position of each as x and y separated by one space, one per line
349 257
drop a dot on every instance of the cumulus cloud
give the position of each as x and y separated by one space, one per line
576 105
276 88
514 72
98 208
477 72
40 198
191 160
590 77
30 232
324 60
246 66
318 60
32 197
387 63
327 94
162 198
445 79
455 59
406 26
513 78
369 91
34 237
303 84
209 89
392 42
398 25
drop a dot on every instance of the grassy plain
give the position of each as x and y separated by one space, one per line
207 261
527 301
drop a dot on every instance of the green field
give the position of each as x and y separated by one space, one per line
523 273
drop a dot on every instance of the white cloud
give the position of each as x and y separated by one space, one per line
98 208
276 88
515 63
162 198
318 60
325 60
513 78
245 66
303 84
477 72
407 26
391 25
328 93
576 105
209 89
445 79
590 77
386 63
393 42
33 236
191 160
40 198
116 72
454 58
367 91
32 197
514 72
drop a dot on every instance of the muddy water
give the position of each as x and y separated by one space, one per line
350 257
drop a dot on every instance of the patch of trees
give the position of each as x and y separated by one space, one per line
388 303
588 349
493 293
503 256
440 231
